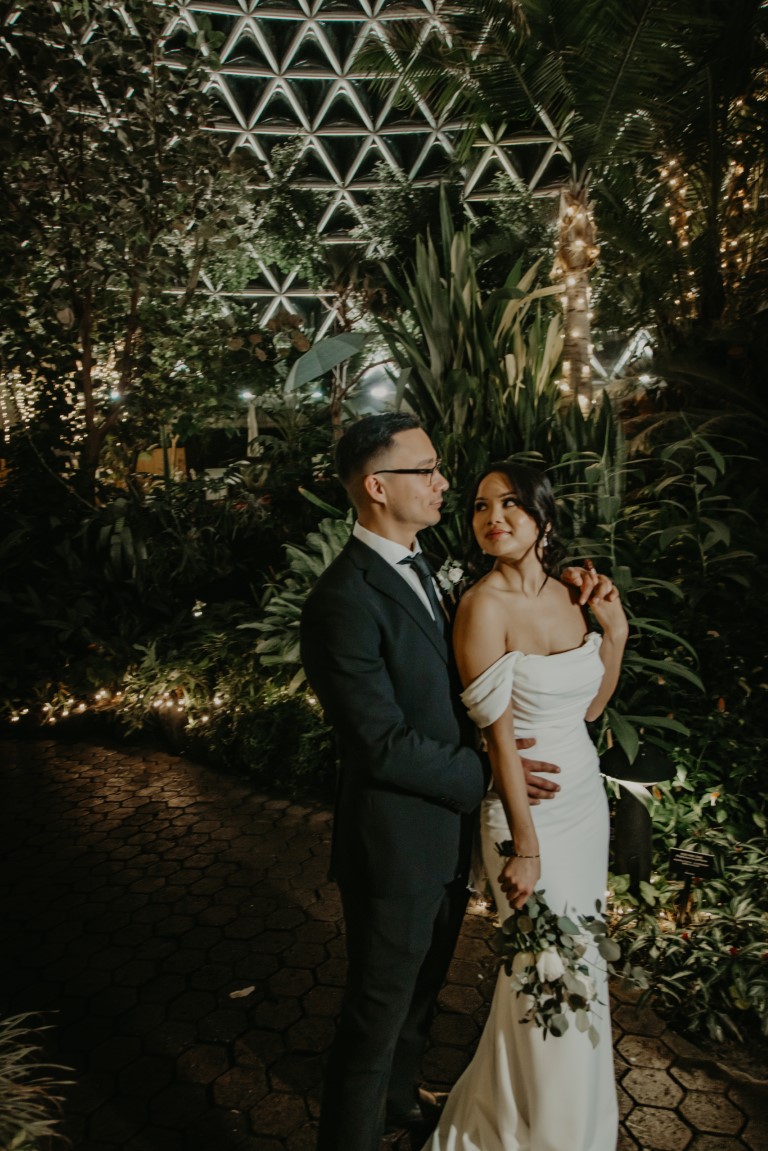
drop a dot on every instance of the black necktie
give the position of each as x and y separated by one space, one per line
424 571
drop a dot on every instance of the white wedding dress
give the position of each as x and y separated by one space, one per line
520 1092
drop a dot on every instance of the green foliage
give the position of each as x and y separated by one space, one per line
706 957
30 1097
288 216
323 357
478 369
278 626
281 741
200 684
81 590
397 211
105 123
515 227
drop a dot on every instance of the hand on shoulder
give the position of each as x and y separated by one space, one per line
590 585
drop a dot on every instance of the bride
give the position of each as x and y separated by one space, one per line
531 666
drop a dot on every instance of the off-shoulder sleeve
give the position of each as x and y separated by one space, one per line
487 697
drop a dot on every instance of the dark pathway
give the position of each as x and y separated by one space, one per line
177 930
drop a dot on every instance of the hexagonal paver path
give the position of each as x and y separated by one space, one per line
175 929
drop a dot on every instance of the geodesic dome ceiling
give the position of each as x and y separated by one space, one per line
289 71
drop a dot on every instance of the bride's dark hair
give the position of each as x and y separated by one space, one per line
537 498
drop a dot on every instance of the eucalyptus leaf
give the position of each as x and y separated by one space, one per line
558 1025
567 925
609 950
582 1020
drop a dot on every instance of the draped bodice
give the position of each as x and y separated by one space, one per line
546 690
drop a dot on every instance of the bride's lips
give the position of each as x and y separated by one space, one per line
495 535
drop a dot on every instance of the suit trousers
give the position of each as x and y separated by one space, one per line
398 953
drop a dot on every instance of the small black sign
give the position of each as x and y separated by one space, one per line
682 862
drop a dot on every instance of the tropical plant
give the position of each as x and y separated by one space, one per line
704 944
200 685
478 368
30 1096
673 111
81 589
278 649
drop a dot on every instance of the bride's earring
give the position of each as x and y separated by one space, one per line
545 540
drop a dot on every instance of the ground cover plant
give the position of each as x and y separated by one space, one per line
30 1090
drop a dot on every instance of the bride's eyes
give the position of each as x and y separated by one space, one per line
507 502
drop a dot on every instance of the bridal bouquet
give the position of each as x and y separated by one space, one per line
543 953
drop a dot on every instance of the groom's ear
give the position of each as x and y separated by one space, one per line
373 489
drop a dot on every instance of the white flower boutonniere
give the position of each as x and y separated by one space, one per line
450 577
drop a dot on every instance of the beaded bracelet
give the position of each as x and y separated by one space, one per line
507 848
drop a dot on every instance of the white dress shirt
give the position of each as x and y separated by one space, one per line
393 553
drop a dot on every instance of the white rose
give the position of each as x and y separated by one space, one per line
522 960
549 965
455 573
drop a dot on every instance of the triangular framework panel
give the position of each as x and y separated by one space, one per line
288 70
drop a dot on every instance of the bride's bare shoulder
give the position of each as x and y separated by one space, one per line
479 595
480 606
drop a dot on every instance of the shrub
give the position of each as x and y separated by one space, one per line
707 956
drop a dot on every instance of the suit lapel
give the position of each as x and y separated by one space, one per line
380 575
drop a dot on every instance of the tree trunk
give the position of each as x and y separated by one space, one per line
575 257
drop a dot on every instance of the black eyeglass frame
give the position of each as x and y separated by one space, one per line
410 471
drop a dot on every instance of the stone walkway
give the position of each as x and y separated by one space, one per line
175 929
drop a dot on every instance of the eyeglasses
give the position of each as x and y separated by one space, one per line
429 472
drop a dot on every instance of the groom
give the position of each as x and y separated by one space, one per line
375 644
376 651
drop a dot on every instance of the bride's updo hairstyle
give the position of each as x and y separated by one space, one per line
534 491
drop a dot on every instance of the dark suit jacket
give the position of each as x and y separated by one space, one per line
384 675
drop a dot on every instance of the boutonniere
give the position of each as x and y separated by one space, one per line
451 579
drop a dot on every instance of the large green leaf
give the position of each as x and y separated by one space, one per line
323 356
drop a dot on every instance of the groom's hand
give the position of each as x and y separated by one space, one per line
538 788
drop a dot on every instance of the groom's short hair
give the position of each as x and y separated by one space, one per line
368 439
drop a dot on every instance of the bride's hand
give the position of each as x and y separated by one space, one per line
518 879
611 617
592 587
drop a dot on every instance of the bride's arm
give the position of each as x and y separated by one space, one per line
479 641
610 614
